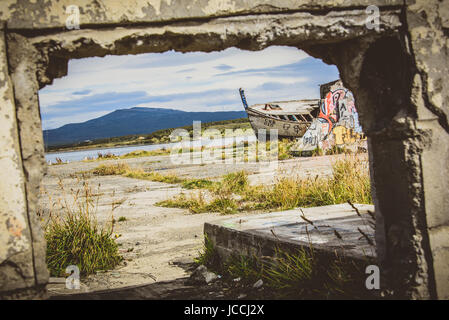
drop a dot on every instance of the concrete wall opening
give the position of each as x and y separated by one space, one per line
200 82
405 120
155 236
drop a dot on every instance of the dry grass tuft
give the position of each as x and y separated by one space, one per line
74 237
349 182
111 169
302 274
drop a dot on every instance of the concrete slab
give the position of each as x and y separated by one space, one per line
329 229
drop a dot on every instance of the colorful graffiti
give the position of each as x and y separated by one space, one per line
337 122
338 107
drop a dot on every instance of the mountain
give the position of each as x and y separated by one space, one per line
131 121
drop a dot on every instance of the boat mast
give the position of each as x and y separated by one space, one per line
242 96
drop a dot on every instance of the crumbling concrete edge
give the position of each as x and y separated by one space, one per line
252 244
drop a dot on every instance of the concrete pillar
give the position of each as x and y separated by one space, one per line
18 276
435 171
428 23
396 147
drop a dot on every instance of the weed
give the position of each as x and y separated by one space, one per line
153 176
338 150
208 256
317 152
111 169
235 182
107 155
195 203
299 274
349 182
125 170
197 184
145 153
224 205
74 237
58 162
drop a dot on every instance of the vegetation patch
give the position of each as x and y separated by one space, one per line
126 171
145 153
301 274
197 184
349 182
153 176
234 182
232 193
111 169
74 237
196 203
221 195
207 256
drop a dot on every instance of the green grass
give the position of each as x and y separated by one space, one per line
124 170
144 153
197 184
111 169
300 274
236 182
222 195
74 237
196 203
349 182
208 255
153 176
284 147
338 150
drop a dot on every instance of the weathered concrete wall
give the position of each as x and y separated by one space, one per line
17 254
398 75
252 32
22 63
48 14
428 26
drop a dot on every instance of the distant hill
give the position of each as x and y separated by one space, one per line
124 122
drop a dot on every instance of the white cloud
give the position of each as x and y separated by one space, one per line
174 73
112 73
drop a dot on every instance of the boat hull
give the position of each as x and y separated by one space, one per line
286 129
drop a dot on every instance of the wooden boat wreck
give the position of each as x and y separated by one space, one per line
314 120
290 118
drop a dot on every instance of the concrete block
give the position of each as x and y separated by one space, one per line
328 229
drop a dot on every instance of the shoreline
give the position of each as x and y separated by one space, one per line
99 147
243 123
79 155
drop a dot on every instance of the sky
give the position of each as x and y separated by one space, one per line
195 81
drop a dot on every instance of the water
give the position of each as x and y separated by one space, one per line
69 156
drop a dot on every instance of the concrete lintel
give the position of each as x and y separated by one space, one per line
42 14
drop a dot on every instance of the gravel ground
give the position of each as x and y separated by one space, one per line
154 239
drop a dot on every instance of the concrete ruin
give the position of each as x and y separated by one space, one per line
397 70
263 234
